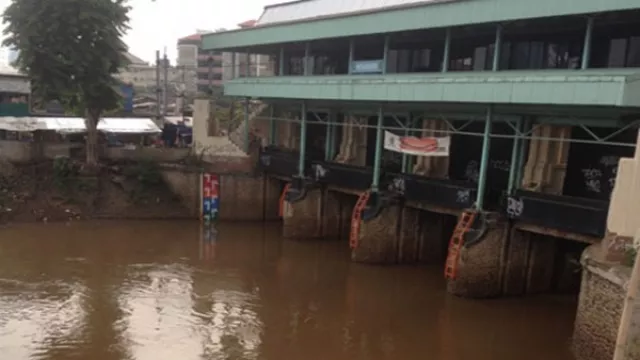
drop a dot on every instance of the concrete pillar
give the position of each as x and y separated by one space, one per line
546 164
602 294
480 267
353 147
378 240
540 269
318 215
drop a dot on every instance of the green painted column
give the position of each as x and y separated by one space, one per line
417 123
378 155
246 125
484 159
327 139
307 52
281 62
513 169
352 46
447 51
526 127
332 145
407 132
385 54
586 48
303 139
497 49
272 125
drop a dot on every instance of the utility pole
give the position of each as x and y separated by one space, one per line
158 101
165 92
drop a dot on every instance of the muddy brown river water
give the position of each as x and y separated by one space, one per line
156 291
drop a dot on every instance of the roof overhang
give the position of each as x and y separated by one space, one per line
417 16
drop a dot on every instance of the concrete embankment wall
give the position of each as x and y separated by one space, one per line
242 196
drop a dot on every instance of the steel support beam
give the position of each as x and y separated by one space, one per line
327 138
407 132
586 47
522 153
447 51
246 125
497 49
281 62
272 125
303 139
513 169
375 183
333 121
484 160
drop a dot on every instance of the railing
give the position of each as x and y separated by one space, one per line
563 213
439 192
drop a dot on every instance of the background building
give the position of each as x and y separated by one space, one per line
206 68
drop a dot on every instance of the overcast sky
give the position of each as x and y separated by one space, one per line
155 25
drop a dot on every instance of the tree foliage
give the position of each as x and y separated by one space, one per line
71 50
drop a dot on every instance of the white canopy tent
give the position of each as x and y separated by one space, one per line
77 125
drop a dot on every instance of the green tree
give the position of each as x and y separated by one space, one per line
71 50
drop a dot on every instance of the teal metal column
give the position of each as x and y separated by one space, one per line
352 46
332 145
307 51
417 123
484 160
303 139
246 125
378 155
586 48
514 157
281 62
526 127
447 50
385 54
272 125
497 49
407 132
327 139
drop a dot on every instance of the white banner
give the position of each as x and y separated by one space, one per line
426 146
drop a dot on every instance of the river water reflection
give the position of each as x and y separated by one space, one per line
155 291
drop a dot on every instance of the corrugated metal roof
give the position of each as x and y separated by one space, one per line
310 9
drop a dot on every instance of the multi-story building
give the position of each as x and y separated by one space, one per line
203 69
207 68
528 106
143 75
